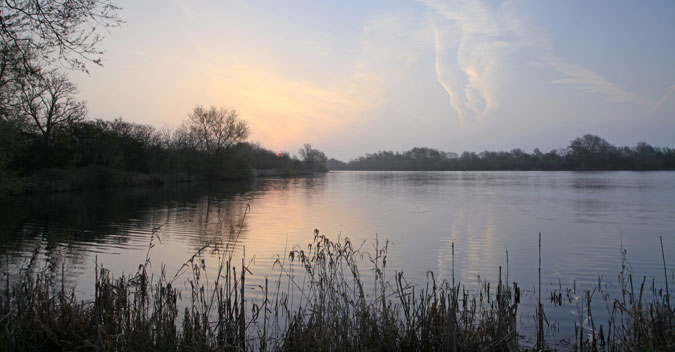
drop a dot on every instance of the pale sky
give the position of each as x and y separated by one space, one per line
354 77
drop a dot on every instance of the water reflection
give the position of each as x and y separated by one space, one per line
584 219
62 232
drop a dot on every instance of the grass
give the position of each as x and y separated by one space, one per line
320 300
633 322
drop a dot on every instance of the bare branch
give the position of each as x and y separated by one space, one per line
216 129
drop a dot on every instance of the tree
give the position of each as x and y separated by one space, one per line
13 148
590 152
646 157
49 103
314 160
216 129
67 31
36 34
12 76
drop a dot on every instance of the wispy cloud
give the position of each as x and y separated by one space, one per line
486 35
664 99
440 73
592 82
466 45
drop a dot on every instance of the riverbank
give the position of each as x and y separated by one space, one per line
337 310
67 180
282 172
90 178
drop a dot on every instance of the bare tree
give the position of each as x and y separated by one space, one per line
67 31
216 129
36 34
49 102
314 159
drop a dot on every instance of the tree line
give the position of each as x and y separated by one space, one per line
209 145
588 152
44 127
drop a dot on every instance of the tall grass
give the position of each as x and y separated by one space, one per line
319 300
337 312
633 321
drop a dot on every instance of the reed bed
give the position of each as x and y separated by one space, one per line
640 318
318 300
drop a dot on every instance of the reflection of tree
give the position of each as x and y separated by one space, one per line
62 228
315 182
276 184
309 186
220 220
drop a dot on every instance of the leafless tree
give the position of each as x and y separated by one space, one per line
216 129
68 31
314 159
48 102
36 34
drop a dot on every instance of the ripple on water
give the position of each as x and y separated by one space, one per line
584 218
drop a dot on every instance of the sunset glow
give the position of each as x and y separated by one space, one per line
337 175
355 77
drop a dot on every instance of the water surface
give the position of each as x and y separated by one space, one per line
584 219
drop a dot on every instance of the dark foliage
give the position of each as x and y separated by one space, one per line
589 152
96 151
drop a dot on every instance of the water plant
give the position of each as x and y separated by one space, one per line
319 298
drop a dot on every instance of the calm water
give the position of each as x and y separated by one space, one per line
584 218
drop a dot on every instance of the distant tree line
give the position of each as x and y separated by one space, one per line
588 152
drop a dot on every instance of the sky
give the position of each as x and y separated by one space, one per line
356 77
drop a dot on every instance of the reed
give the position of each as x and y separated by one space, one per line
319 299
640 318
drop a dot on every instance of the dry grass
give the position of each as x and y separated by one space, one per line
318 301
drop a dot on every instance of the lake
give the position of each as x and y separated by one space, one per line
584 218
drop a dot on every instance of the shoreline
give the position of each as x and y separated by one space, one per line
49 181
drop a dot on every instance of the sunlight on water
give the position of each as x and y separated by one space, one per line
584 219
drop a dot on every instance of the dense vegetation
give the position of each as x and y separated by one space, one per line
589 152
98 153
336 309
